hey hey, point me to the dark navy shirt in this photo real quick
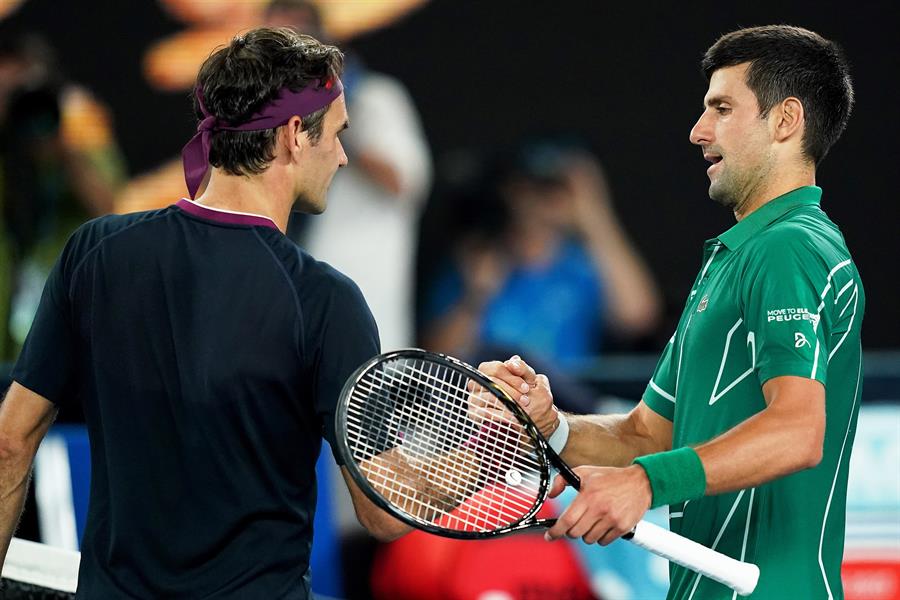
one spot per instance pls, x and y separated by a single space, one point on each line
208 351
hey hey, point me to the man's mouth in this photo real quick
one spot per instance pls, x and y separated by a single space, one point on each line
714 158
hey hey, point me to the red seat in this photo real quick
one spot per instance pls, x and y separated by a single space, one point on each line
421 566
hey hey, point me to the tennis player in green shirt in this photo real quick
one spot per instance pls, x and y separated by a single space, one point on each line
746 426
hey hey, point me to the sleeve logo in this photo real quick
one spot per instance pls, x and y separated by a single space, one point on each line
800 340
786 315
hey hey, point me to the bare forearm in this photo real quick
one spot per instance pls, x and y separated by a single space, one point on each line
381 525
25 418
769 445
606 440
14 477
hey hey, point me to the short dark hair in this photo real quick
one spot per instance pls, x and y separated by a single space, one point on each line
239 79
790 61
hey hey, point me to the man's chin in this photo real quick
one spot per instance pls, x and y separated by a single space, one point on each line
307 206
721 196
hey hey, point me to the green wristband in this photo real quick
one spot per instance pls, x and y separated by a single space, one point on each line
675 476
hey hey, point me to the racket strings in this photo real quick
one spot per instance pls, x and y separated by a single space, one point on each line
456 481
421 443
444 497
462 390
431 415
464 393
510 436
424 500
428 419
469 465
459 481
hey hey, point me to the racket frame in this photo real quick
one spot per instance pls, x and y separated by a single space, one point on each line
544 453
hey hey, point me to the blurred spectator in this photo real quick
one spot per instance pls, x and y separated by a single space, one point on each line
58 168
369 230
546 272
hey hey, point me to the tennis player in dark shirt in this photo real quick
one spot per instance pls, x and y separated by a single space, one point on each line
208 349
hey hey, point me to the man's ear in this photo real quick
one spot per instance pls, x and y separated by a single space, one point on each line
788 119
294 138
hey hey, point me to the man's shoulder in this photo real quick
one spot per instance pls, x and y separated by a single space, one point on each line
93 233
805 234
806 245
107 225
312 278
327 278
327 296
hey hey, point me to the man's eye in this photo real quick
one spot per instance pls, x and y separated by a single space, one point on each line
723 110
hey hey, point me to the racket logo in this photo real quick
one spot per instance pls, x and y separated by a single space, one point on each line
513 477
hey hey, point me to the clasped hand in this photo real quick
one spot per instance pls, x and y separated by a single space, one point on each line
611 500
529 389
609 504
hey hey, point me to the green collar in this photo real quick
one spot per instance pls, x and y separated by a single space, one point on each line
768 213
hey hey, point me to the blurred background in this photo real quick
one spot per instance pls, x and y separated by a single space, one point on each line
520 180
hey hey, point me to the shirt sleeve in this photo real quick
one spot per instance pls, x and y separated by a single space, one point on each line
782 296
660 392
47 364
349 337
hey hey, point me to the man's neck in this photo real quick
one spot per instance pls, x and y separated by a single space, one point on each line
266 194
775 187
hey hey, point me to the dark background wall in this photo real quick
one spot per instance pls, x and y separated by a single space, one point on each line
623 75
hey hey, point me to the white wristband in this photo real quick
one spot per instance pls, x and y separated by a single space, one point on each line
559 438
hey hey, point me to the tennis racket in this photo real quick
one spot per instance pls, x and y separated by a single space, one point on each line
441 447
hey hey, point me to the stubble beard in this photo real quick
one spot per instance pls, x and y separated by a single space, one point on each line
726 189
722 190
734 188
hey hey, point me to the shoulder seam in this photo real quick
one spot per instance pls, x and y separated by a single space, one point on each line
301 351
99 242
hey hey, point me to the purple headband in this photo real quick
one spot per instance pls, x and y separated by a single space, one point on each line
195 154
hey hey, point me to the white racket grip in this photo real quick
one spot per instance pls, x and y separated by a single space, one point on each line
739 576
41 565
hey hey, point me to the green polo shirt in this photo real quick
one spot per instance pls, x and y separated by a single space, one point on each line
778 294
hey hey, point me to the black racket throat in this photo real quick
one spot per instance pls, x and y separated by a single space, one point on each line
565 470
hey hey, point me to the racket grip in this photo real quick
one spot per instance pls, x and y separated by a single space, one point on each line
739 576
44 566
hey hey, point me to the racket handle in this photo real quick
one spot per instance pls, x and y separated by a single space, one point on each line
739 576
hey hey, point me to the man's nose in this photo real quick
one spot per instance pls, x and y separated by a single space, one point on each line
701 132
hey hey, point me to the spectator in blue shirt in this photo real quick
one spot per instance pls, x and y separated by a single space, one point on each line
554 276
